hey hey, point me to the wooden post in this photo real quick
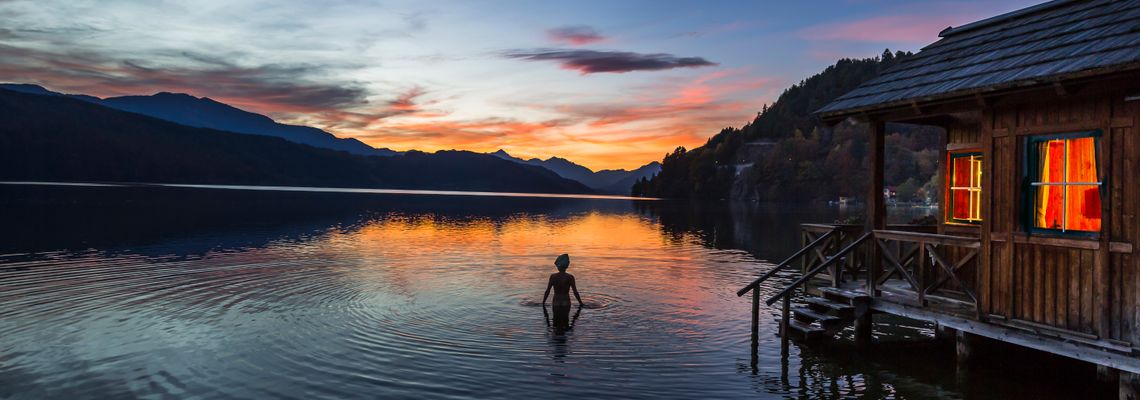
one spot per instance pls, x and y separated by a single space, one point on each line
943 333
863 329
920 272
784 320
964 345
876 207
756 324
1106 375
1129 386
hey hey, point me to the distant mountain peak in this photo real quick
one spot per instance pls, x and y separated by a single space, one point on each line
30 88
204 112
27 88
174 94
616 181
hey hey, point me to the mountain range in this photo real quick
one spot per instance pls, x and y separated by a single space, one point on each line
64 138
203 112
613 181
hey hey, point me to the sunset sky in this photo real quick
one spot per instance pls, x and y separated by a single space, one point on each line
608 84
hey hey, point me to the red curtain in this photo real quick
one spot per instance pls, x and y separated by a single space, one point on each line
1048 204
1079 207
1083 208
961 179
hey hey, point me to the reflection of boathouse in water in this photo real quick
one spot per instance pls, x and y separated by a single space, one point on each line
1036 243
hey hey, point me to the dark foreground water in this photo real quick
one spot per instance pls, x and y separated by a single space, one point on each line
121 292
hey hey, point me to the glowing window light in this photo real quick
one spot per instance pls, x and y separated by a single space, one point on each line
1065 188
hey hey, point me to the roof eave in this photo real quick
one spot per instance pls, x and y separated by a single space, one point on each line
832 117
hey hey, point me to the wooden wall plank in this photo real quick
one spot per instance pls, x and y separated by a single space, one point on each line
1127 297
1048 284
1088 321
1115 280
1061 258
1017 284
1074 262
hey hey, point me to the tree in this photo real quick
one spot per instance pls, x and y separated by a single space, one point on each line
908 191
805 160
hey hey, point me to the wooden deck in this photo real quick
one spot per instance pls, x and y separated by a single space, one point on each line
919 275
895 297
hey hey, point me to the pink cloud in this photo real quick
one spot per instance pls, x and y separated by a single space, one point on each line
578 35
920 29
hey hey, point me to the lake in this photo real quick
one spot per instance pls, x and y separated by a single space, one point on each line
147 291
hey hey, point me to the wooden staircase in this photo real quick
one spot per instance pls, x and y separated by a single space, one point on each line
820 316
825 315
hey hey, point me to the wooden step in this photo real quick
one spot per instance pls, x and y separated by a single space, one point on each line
843 296
808 315
822 305
804 331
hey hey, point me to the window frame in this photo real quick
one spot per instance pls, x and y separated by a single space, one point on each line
950 157
1031 181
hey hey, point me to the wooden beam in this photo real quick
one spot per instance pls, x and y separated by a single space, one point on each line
876 204
986 271
1120 247
1014 336
934 238
1086 244
963 146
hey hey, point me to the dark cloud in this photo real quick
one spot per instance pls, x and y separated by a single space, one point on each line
270 87
592 61
576 35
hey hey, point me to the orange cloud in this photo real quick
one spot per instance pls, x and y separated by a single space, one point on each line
622 133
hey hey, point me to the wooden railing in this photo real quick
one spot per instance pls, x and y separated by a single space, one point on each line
832 260
843 235
929 264
823 239
915 264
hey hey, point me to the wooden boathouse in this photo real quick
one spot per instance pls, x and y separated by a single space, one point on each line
1039 221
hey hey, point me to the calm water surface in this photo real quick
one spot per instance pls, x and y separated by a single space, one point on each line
120 292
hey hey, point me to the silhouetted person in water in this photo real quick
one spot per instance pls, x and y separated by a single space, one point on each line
562 283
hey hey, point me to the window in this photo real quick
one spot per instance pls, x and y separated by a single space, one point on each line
965 194
1064 185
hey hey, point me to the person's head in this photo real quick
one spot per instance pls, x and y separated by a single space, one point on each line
562 262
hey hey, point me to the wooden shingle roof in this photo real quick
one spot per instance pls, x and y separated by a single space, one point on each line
1040 44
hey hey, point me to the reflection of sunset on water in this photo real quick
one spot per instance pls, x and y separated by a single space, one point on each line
620 254
392 295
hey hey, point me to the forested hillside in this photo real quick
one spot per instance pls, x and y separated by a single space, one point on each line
786 154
